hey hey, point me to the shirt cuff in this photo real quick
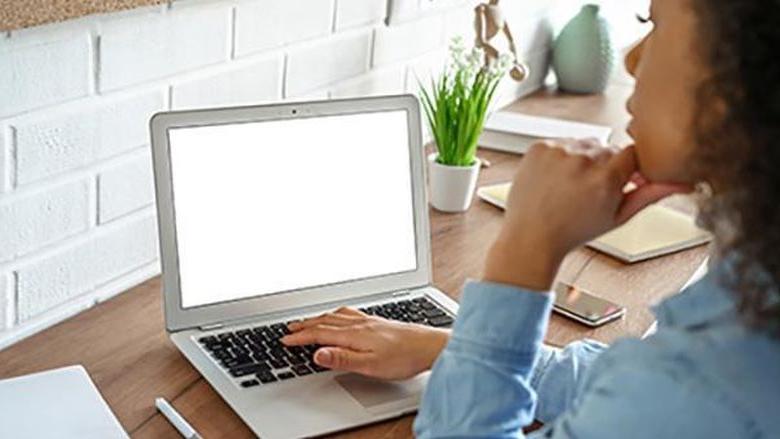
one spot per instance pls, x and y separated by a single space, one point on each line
502 322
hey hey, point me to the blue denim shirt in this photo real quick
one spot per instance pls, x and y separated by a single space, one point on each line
702 375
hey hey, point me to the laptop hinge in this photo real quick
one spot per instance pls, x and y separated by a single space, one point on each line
400 293
210 327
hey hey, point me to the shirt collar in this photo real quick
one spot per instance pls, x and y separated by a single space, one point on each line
700 303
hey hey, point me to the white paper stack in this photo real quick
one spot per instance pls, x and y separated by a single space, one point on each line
515 132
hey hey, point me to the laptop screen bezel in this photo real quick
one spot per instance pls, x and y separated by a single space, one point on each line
177 317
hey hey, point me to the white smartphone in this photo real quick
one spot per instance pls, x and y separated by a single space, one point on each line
579 305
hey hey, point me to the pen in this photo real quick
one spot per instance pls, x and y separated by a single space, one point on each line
176 419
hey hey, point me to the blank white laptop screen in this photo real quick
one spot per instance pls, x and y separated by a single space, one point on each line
274 206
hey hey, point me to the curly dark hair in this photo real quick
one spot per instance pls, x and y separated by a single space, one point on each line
737 151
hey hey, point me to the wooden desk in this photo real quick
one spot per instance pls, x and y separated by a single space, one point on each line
123 345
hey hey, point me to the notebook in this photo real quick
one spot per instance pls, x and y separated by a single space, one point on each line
515 132
57 404
655 231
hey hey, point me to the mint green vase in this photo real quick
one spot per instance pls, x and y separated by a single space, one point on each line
583 56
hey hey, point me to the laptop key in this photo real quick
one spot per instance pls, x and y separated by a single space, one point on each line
218 346
278 353
249 383
441 321
278 363
266 377
285 375
249 369
261 357
209 339
301 369
296 359
317 368
430 313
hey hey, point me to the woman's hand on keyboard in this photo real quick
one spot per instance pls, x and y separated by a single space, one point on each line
373 346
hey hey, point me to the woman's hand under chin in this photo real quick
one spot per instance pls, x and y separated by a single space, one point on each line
560 199
372 346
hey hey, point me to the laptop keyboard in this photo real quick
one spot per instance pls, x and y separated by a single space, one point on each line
256 356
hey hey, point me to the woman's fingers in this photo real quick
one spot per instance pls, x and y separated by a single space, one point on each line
332 319
645 195
323 335
622 165
345 310
345 359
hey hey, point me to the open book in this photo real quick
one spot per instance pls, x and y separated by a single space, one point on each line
655 231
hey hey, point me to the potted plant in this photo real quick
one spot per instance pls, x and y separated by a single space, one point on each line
456 107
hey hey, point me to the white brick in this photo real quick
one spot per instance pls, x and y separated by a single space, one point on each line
384 82
5 159
332 60
125 187
460 21
33 76
85 267
402 10
240 84
156 45
424 68
47 145
407 40
532 34
315 95
5 300
350 13
44 217
272 23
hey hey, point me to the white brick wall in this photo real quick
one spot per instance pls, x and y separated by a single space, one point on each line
241 83
327 61
378 82
36 74
272 23
32 221
407 40
131 50
125 187
76 214
351 13
5 302
85 266
51 143
5 157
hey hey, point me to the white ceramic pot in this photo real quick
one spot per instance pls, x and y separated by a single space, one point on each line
451 187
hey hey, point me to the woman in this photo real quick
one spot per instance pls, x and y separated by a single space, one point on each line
706 109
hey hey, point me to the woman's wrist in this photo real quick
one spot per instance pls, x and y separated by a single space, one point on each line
520 262
436 341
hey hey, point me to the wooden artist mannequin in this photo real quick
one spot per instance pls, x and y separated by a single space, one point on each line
488 22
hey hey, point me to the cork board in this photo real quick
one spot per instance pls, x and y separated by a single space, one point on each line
18 14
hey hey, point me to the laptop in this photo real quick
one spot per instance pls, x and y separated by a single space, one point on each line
274 213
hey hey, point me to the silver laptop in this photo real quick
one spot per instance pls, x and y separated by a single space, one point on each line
270 214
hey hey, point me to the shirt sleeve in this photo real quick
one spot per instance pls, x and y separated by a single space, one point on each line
480 385
557 375
646 392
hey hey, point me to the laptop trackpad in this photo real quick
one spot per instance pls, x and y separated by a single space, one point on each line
370 392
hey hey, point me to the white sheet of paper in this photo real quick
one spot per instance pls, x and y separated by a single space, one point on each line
56 404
